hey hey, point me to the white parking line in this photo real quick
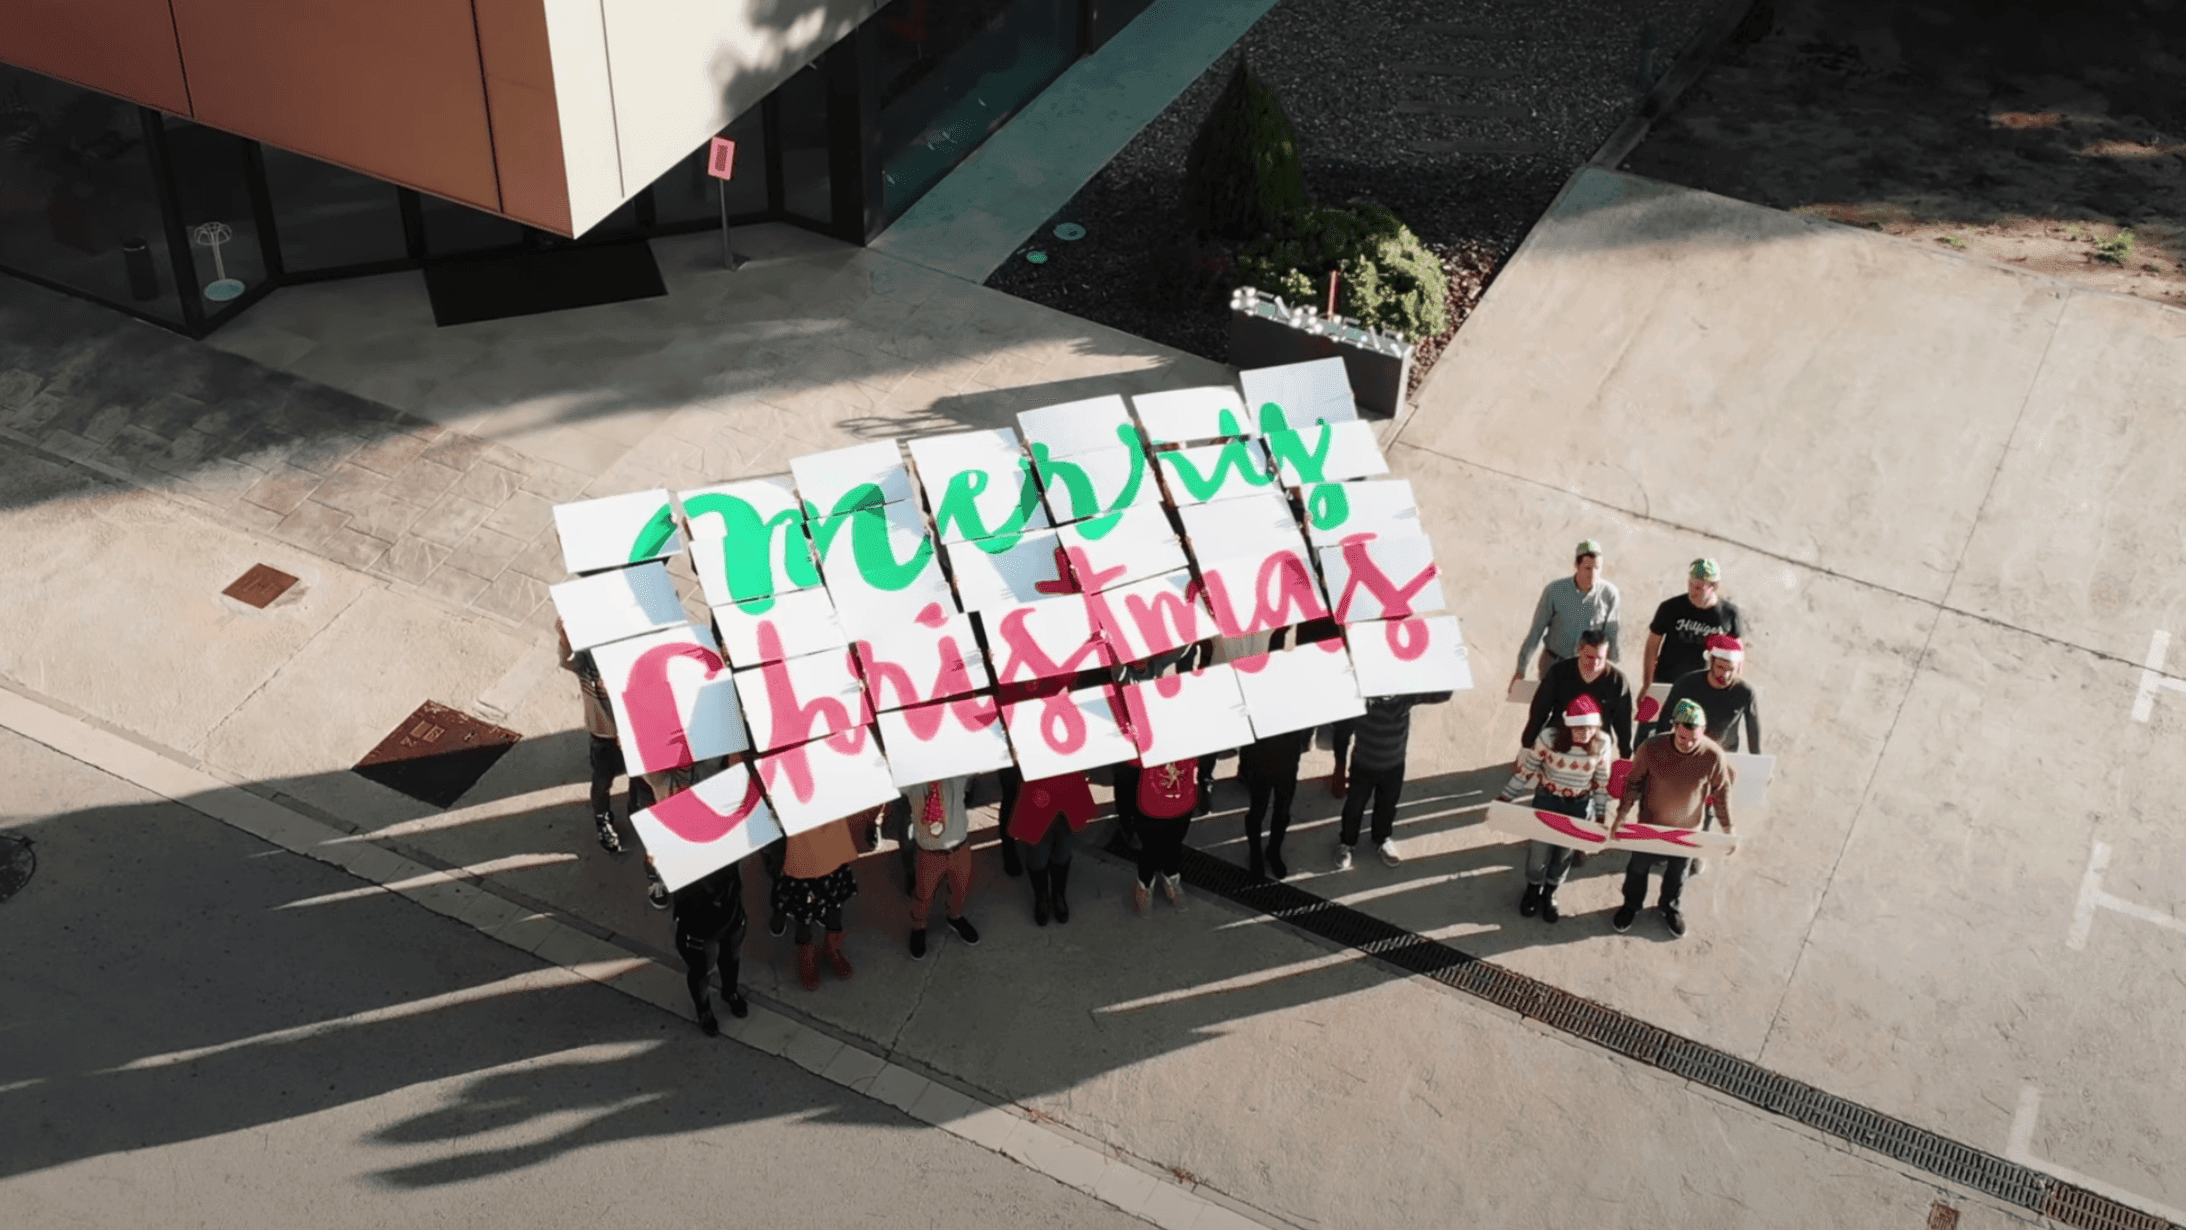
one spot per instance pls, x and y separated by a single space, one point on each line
2152 678
2092 896
2020 1148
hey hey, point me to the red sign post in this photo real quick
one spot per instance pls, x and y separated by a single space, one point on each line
721 164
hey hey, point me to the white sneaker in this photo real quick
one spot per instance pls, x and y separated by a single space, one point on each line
1389 853
1172 887
1343 857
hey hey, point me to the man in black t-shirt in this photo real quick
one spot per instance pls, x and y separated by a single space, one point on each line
1723 693
1677 637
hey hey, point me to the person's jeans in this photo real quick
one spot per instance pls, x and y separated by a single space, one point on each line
1673 879
1161 846
1271 798
1547 863
954 863
1054 846
1381 787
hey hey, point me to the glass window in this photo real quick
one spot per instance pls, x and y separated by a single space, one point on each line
949 74
452 229
687 194
212 185
801 104
1109 16
328 217
77 205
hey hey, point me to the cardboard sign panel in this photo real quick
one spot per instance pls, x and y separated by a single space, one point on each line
978 484
1393 657
1326 453
1650 705
1079 426
1179 716
615 605
812 783
617 530
790 626
881 567
1044 640
1521 691
1096 485
1383 578
1750 789
754 563
1140 544
918 662
1068 732
1301 394
1375 506
1576 834
1027 570
823 479
675 702
950 739
1258 524
1297 689
1208 472
797 699
1176 416
1250 594
711 511
693 833
1150 617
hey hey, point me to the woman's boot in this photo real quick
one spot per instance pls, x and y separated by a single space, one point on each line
835 959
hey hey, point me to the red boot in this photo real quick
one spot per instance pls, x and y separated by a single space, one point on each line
835 959
808 966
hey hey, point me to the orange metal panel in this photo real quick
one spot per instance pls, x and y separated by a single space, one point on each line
390 87
527 125
124 47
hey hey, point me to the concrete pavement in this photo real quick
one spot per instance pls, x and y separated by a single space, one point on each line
1933 486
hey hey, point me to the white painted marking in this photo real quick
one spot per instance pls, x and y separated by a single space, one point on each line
2020 1149
2152 679
2092 897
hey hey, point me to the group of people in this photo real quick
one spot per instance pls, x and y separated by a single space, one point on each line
1582 706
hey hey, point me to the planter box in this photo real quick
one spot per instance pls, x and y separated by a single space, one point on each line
1260 337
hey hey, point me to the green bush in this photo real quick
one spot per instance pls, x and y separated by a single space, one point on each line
1242 175
1389 278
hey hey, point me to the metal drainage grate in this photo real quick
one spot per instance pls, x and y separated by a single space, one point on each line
260 586
1740 1078
17 864
436 754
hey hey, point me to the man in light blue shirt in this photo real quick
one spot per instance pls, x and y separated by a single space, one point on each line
1571 605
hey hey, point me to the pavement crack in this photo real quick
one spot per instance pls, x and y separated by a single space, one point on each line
916 1002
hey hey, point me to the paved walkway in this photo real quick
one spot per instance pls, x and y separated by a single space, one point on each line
1909 466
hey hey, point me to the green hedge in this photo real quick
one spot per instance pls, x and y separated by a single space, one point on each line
1389 278
1242 175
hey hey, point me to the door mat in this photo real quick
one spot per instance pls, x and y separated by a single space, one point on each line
549 280
436 754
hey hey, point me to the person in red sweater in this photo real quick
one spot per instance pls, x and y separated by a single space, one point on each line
1674 777
1567 769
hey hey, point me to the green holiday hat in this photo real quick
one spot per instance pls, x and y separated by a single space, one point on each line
1689 713
1705 569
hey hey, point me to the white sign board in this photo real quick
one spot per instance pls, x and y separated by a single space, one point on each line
797 699
615 605
882 568
1033 568
1068 732
1318 390
1138 545
693 833
1205 473
1175 416
675 702
1394 657
813 783
1750 789
1575 834
1383 578
1259 593
1257 525
914 663
1331 452
794 625
1079 426
954 738
617 530
1297 689
1151 617
753 565
710 511
1097 484
1043 640
978 484
823 479
1377 506
1176 717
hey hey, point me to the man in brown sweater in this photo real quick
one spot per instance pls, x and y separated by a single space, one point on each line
1672 779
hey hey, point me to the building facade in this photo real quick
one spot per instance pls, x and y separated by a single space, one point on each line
178 159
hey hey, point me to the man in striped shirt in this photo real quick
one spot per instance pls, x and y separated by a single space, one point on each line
1380 737
1568 606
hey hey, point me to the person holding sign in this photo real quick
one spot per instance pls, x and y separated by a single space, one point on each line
1045 820
607 762
1568 606
1379 738
942 834
1270 770
1588 674
1568 770
1677 638
1168 794
1673 778
815 884
1721 689
710 911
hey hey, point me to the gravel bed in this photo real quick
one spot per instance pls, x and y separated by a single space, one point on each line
1342 69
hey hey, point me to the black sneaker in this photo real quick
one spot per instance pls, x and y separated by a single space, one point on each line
964 930
656 892
1549 913
610 840
1277 868
1623 919
1530 903
739 1007
707 1023
1674 919
918 943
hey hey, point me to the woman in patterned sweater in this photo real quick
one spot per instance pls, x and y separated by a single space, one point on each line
1568 769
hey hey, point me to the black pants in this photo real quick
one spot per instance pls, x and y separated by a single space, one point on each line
895 822
1382 787
1261 792
1339 736
1125 777
1161 846
832 920
607 765
1673 879
692 948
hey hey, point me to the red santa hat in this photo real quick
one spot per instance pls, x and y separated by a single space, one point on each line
1727 648
1583 712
